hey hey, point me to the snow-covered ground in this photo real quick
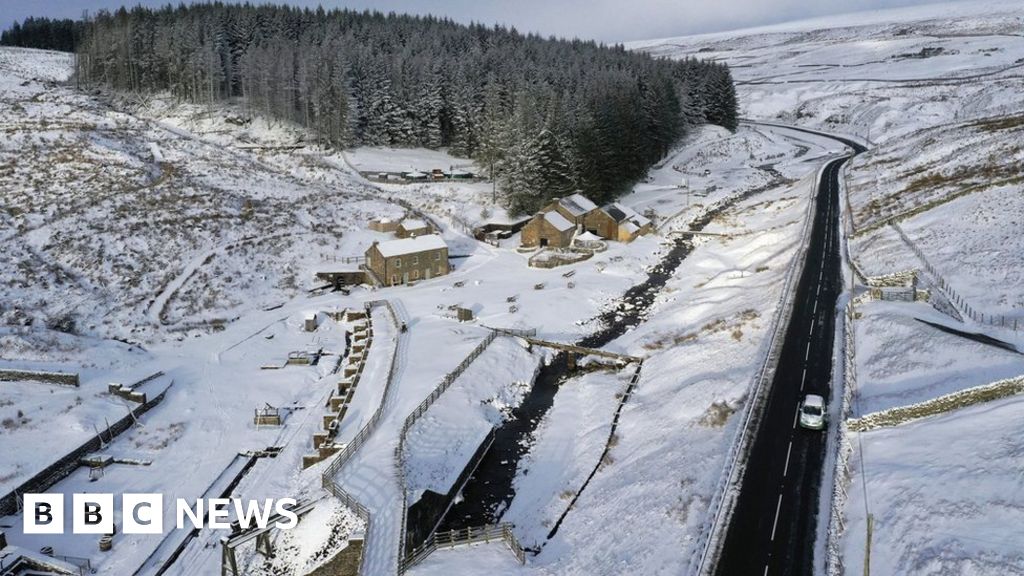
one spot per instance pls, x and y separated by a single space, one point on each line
180 229
196 242
945 494
935 89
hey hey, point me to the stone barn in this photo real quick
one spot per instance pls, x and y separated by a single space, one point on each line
407 260
413 227
573 208
617 222
548 229
385 225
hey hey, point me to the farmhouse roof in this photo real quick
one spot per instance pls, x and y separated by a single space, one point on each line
411 245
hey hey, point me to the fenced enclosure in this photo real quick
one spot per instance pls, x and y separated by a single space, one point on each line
411 419
954 297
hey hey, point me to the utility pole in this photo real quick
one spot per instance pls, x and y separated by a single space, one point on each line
867 546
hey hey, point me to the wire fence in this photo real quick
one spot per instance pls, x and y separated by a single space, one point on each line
954 297
841 474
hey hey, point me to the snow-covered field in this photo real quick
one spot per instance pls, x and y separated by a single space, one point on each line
945 494
192 233
935 90
152 235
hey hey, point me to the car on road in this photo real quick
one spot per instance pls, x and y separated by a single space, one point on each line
812 412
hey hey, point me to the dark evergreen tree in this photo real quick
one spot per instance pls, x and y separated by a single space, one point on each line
549 116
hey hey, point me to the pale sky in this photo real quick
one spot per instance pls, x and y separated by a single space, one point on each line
604 20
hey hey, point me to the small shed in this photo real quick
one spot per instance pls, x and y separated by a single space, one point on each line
385 225
415 176
309 322
411 227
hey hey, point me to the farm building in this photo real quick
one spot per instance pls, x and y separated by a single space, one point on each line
459 174
413 227
573 208
548 229
617 222
407 260
385 225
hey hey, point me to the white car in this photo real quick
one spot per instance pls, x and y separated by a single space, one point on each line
812 412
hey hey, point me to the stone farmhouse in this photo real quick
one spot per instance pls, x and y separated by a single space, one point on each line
407 260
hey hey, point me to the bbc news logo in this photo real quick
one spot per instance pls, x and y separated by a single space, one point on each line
144 513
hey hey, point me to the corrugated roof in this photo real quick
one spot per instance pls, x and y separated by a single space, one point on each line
411 245
558 221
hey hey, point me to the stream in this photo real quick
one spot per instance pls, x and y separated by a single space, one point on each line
488 491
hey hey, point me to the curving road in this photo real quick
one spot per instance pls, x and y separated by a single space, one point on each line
774 522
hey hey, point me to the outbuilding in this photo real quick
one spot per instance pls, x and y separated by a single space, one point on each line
413 227
617 222
548 229
574 208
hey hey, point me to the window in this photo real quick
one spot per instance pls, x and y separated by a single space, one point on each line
437 256
398 262
415 274
394 279
415 260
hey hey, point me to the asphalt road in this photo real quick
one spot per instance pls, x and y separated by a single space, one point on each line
774 523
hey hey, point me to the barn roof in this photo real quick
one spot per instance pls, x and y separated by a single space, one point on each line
413 224
621 213
411 245
577 204
558 221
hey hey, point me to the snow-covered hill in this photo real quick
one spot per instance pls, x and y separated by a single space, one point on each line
936 91
146 221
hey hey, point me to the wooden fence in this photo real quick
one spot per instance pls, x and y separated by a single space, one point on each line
411 419
609 442
357 442
453 538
